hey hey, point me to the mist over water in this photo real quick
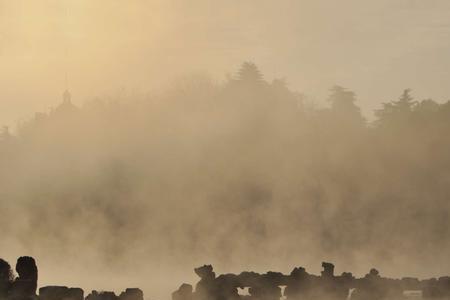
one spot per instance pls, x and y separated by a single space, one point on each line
244 175
267 169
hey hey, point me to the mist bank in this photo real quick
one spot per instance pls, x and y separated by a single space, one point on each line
245 174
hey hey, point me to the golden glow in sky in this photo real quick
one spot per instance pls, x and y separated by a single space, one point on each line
105 46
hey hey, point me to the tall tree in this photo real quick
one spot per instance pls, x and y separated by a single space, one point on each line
396 111
343 105
249 73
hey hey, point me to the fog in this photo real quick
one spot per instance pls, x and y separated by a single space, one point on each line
105 46
169 153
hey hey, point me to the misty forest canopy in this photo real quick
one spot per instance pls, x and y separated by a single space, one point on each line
238 171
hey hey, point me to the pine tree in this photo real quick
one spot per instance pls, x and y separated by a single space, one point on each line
343 105
396 111
249 73
405 103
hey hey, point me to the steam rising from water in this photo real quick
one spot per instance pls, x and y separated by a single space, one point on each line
241 174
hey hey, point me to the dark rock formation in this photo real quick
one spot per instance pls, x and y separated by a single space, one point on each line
60 292
24 287
6 278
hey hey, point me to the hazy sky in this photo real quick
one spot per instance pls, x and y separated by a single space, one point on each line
376 48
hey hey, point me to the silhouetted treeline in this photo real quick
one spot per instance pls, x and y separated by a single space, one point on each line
240 171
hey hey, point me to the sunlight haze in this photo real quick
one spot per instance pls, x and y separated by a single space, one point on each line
106 46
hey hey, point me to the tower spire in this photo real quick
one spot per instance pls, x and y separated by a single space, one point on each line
67 97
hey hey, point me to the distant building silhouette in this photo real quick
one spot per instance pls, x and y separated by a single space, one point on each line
66 106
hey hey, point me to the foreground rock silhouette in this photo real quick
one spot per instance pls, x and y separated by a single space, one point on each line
298 285
6 278
60 292
24 286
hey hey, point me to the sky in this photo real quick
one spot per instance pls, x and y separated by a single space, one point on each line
377 48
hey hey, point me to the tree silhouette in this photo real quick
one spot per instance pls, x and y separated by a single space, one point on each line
249 73
426 106
396 111
343 105
405 103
